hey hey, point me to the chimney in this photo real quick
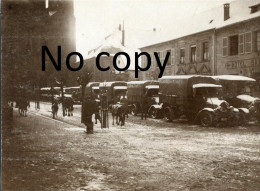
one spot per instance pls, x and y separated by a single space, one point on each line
119 27
226 11
123 35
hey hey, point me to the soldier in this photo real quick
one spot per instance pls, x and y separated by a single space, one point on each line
89 109
96 111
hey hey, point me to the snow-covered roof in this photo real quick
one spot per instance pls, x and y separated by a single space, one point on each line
48 88
210 19
206 85
138 82
234 78
181 76
106 84
152 87
247 98
120 87
95 87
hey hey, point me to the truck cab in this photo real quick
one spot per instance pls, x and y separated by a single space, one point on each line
114 90
143 94
237 90
193 96
92 90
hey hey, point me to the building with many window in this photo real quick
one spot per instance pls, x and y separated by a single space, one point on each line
223 40
238 46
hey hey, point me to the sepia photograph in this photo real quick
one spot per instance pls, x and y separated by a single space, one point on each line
122 95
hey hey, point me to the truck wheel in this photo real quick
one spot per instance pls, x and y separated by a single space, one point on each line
167 114
134 110
206 119
153 113
242 119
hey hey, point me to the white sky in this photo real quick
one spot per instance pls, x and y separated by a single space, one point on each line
95 19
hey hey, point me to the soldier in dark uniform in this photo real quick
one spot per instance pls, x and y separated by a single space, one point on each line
96 111
89 110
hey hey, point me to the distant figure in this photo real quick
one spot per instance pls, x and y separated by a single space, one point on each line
225 111
55 108
118 112
96 112
89 110
22 104
68 106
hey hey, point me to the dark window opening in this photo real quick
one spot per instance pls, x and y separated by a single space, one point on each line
193 54
258 41
182 55
205 47
233 45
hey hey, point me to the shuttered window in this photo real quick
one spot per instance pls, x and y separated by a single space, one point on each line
205 51
193 52
182 55
258 41
153 60
169 61
225 46
248 42
172 56
241 43
161 57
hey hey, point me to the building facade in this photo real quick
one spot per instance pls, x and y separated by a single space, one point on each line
193 54
229 45
238 50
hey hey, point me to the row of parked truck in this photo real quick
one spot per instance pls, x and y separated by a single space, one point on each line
202 99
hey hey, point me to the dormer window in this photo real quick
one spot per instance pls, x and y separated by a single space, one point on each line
255 8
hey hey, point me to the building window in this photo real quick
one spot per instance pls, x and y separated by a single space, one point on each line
258 41
233 44
205 50
172 56
193 52
144 61
241 43
225 46
182 55
248 42
152 60
169 61
161 56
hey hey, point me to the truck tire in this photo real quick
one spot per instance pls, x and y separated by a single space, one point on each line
167 114
134 110
242 119
206 119
153 113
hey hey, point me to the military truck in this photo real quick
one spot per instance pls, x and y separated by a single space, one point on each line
237 90
92 90
114 90
143 92
194 96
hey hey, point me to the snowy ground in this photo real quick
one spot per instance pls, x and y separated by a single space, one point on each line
40 153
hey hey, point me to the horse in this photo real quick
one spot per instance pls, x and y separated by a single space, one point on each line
68 106
55 108
22 105
118 111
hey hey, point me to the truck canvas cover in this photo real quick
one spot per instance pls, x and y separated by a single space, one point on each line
137 88
89 86
109 88
182 85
